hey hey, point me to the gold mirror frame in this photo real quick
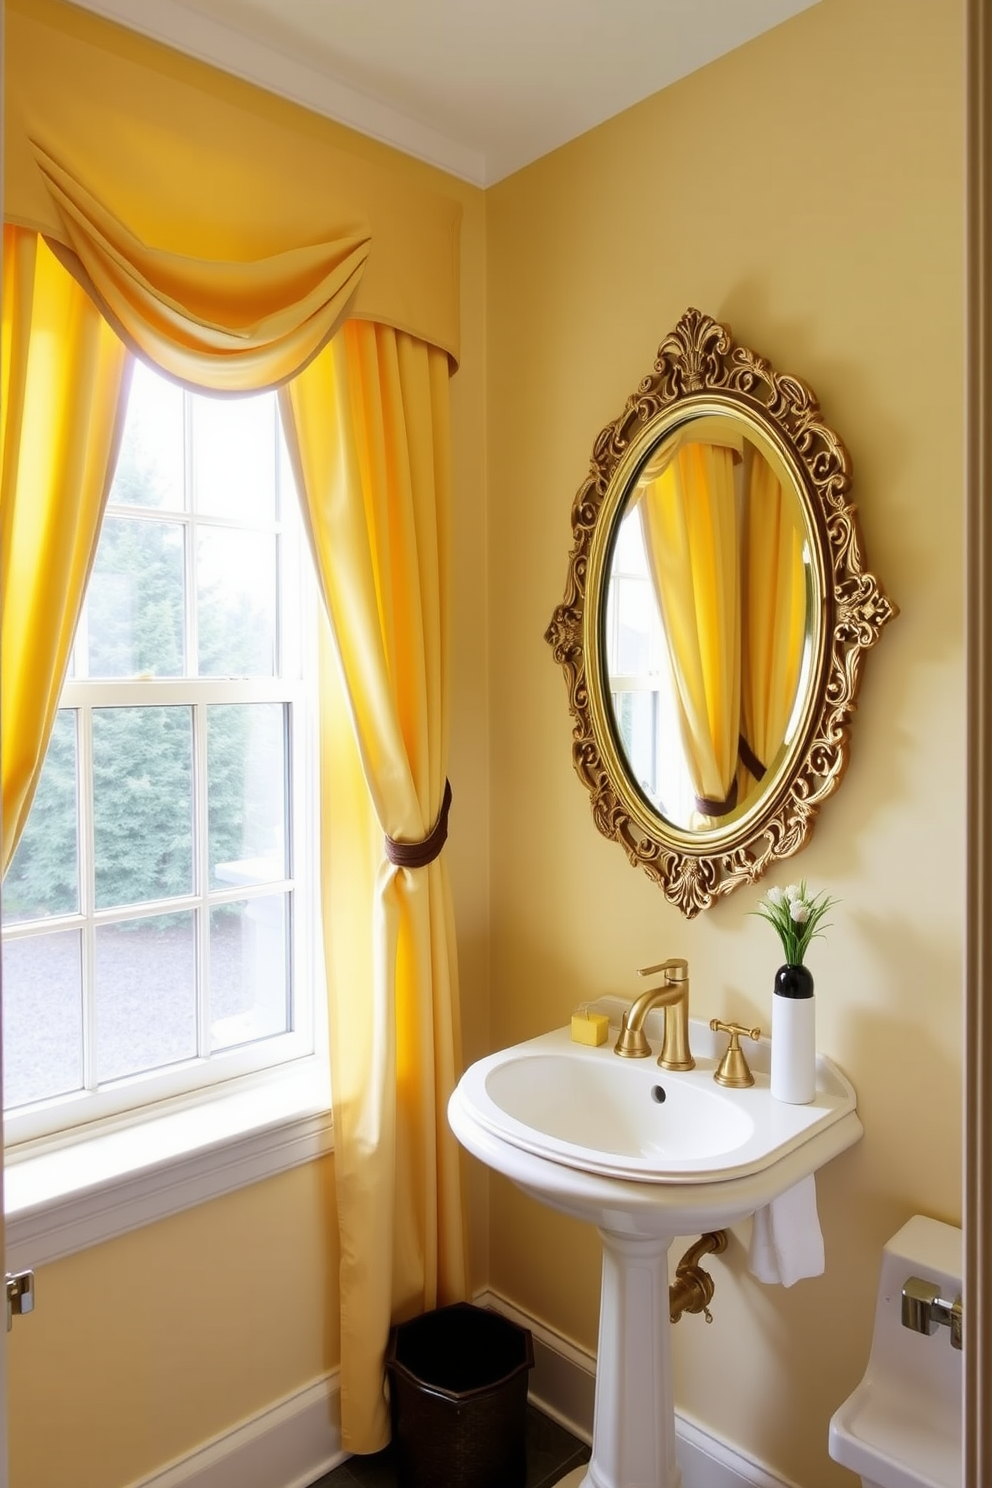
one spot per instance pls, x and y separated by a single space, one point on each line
700 371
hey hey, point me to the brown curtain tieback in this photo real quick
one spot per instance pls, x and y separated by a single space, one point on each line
419 854
709 807
751 763
749 759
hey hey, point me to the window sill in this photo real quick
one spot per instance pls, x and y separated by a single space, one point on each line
64 1199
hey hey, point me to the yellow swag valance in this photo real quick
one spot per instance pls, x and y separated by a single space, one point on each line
146 168
256 323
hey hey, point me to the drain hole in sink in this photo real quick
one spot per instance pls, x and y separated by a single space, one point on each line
658 1093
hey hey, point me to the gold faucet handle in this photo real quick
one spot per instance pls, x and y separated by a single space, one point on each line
734 1070
676 969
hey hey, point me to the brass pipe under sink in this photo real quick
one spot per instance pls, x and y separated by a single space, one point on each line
692 1289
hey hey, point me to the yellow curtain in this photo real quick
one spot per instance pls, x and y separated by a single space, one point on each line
774 610
368 427
64 381
689 521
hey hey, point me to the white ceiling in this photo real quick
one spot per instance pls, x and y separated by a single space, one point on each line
477 87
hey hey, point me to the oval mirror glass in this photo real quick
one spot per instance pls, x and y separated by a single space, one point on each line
709 622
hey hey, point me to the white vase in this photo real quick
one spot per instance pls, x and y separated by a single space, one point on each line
793 1037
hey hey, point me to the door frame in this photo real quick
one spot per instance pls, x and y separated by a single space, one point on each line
977 1030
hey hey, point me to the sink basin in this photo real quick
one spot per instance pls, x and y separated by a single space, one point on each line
587 1109
600 1114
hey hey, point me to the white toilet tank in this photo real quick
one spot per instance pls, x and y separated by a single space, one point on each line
902 1426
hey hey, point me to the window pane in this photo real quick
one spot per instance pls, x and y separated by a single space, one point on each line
43 878
135 600
142 803
234 457
145 995
246 793
248 971
236 602
42 1017
636 716
628 552
637 610
293 556
150 470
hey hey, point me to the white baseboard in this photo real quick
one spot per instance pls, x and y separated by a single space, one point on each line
288 1445
563 1386
294 1442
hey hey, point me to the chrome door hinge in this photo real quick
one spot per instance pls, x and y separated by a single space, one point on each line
20 1295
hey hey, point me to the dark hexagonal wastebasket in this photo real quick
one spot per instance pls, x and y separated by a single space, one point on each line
458 1399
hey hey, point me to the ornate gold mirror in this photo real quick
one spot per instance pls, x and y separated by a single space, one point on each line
715 615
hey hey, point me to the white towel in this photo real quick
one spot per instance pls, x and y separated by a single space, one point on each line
786 1240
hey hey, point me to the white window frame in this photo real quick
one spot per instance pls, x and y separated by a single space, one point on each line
658 683
83 1168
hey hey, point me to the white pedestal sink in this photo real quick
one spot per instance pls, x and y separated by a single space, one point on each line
645 1155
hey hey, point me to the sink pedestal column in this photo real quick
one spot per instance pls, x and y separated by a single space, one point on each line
633 1440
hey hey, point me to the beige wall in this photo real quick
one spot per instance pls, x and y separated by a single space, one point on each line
808 189
142 1349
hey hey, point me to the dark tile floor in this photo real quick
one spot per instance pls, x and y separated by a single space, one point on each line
551 1453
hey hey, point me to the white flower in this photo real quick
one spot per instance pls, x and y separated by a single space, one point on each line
775 897
793 892
799 912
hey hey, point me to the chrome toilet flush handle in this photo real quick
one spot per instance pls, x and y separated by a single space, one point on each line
923 1310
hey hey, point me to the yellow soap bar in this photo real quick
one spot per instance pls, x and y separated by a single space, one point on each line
590 1028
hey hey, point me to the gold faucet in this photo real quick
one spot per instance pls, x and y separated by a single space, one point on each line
673 996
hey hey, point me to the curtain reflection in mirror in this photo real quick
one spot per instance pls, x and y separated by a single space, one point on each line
774 616
707 622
